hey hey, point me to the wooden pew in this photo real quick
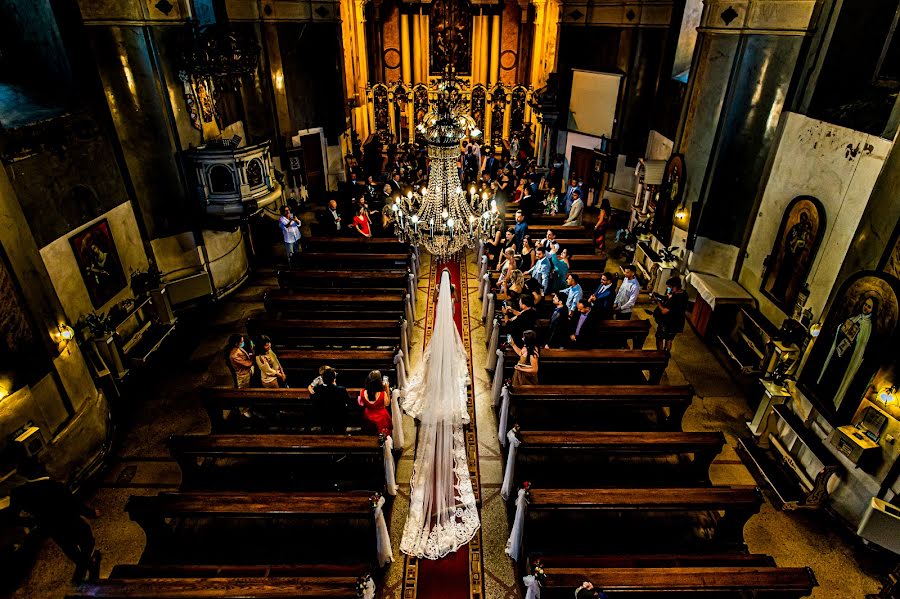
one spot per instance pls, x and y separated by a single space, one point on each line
340 306
355 245
268 410
302 366
609 333
248 462
289 333
343 587
260 527
539 231
642 520
570 459
306 279
722 582
586 366
599 407
537 218
355 261
123 571
588 279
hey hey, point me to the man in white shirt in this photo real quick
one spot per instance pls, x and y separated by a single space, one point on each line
290 229
627 295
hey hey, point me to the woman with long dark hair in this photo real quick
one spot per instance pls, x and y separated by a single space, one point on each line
375 397
526 370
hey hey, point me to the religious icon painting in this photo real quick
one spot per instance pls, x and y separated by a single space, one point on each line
98 261
671 193
857 339
786 268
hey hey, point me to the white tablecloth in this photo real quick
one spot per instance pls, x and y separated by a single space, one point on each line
712 288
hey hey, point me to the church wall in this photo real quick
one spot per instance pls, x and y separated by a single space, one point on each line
811 158
227 258
59 259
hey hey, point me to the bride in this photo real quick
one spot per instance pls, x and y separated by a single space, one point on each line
442 513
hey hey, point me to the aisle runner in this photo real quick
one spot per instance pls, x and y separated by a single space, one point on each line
457 576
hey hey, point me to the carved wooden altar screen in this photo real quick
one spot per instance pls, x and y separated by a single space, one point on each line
401 118
498 108
517 109
451 36
478 105
420 107
381 112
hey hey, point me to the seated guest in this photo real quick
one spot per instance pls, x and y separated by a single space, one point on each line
583 335
507 265
526 369
330 220
521 320
602 298
270 370
492 246
574 217
542 269
534 288
559 323
509 241
520 229
318 380
336 410
573 292
513 286
551 202
361 222
239 362
375 398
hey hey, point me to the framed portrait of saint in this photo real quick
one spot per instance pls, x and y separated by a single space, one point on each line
802 228
858 337
671 193
99 263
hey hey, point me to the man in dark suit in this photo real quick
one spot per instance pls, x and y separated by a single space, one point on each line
602 298
583 333
521 320
333 403
491 166
60 516
559 323
330 219
396 185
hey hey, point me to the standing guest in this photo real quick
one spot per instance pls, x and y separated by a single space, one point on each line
551 202
239 362
601 226
559 262
491 165
290 230
507 266
542 269
602 298
573 292
583 326
574 215
514 285
331 221
526 370
493 246
627 295
523 320
375 397
509 242
527 201
504 185
526 257
570 191
549 242
395 184
59 515
559 323
387 195
318 380
335 408
520 228
669 314
362 223
270 370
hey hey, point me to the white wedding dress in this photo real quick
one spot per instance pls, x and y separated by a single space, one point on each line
442 512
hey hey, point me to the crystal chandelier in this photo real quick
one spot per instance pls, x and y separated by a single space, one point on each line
443 218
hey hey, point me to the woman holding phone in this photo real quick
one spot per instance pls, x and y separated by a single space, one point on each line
375 398
526 370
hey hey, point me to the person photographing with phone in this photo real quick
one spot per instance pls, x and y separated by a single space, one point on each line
669 313
290 230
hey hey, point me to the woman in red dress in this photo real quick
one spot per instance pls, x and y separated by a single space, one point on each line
362 223
375 398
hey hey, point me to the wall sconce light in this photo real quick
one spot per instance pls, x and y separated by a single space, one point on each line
64 334
815 329
680 213
887 394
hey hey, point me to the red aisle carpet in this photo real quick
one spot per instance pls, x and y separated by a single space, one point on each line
446 578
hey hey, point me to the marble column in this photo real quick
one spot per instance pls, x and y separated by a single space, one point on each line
495 50
405 49
740 79
477 50
416 49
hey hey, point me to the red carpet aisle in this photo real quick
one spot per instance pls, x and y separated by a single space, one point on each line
457 576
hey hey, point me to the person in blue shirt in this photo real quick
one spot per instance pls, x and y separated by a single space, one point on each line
541 270
519 229
560 268
574 293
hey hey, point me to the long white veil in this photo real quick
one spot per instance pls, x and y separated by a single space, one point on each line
442 512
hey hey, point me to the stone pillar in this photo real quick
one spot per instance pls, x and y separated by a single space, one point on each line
405 49
477 50
740 79
536 76
495 50
417 49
